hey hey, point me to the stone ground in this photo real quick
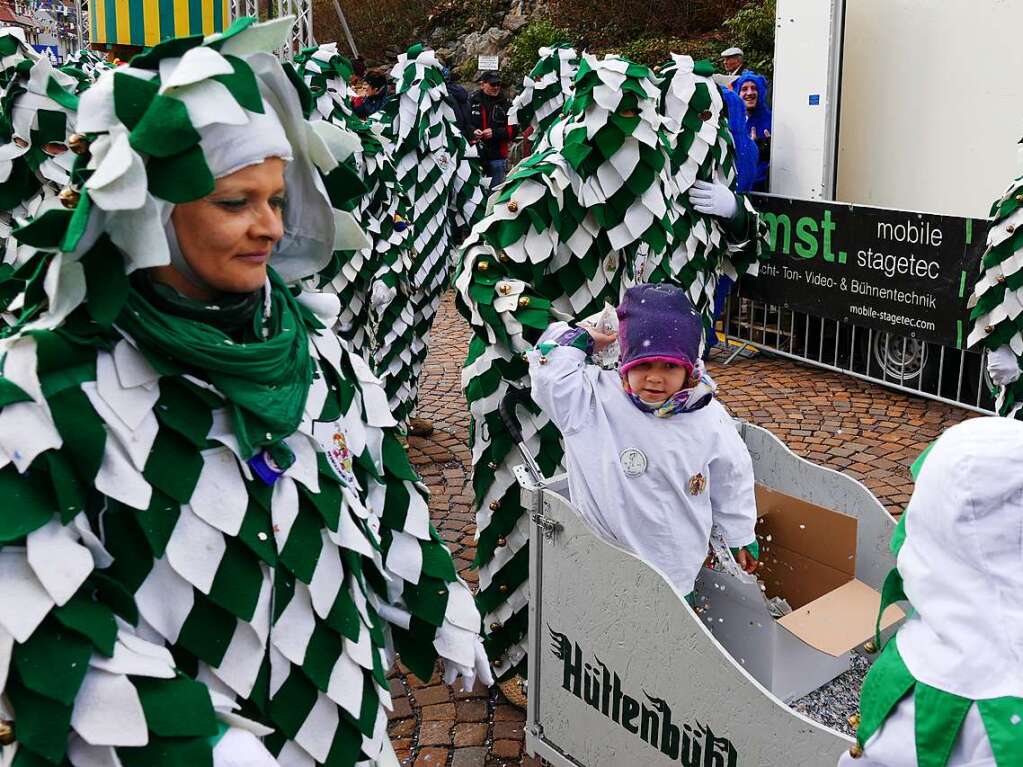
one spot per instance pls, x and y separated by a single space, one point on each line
862 429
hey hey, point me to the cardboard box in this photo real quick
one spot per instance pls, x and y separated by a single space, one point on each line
808 557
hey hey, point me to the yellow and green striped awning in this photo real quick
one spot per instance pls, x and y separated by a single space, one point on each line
147 22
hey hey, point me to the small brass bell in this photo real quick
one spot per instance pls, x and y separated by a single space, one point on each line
491 465
6 733
69 197
870 647
483 265
503 588
495 505
502 541
856 752
989 329
495 626
524 301
513 206
854 721
504 289
78 143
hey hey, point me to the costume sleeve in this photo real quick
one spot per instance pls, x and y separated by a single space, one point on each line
468 200
430 609
732 500
559 384
745 235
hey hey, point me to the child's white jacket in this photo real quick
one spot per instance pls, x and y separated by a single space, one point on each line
653 486
960 560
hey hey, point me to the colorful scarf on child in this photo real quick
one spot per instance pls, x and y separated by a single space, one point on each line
684 401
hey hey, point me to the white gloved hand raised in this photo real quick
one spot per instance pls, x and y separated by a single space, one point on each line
713 199
381 294
1002 366
479 670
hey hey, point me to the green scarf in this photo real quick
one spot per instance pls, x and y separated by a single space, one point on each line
265 381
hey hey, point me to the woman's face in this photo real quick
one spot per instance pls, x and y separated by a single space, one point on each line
749 94
226 237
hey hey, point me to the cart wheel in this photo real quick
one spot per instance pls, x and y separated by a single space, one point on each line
514 690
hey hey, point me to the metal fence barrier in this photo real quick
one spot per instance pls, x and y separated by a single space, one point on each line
941 373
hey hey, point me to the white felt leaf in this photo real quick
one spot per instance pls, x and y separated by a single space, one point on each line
81 754
294 628
120 181
405 557
210 102
60 563
119 478
131 403
220 497
241 748
293 755
108 711
140 236
267 36
164 599
127 661
197 64
345 687
348 234
195 550
317 732
6 649
25 601
133 369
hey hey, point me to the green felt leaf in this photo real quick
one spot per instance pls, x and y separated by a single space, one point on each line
90 618
67 487
43 723
78 224
181 178
106 282
242 84
116 596
61 96
238 581
28 503
176 708
45 231
81 429
172 48
292 703
132 97
169 752
165 129
10 393
173 465
21 184
53 662
207 631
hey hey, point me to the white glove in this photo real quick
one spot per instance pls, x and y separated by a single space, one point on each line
713 199
381 295
480 670
1002 366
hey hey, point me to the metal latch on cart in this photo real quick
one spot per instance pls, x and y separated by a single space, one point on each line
546 524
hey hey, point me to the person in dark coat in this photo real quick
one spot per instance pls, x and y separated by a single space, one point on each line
376 96
492 135
459 98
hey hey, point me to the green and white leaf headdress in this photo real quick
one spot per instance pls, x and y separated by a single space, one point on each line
146 123
545 89
326 73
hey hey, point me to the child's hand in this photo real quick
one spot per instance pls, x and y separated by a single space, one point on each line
746 561
600 340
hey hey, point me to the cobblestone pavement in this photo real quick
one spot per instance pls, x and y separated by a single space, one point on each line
866 431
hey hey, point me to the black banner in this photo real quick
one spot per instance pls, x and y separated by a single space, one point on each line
891 270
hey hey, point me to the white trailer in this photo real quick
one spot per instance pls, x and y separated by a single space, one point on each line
907 104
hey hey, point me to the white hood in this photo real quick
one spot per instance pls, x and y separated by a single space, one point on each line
962 563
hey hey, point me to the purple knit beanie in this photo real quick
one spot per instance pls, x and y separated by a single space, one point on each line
658 323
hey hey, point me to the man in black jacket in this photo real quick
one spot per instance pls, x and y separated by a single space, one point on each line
492 135
376 96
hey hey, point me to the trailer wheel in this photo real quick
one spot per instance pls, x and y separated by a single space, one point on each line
899 358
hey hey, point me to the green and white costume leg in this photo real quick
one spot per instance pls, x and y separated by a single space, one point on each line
701 149
442 181
997 301
376 313
562 238
211 534
948 688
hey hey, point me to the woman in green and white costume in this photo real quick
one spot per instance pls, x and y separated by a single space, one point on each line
563 236
37 115
715 230
545 90
376 313
212 540
444 185
948 688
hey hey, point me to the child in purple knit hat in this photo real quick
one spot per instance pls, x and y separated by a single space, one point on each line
654 460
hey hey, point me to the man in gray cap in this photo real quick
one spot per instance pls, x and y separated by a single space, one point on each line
731 60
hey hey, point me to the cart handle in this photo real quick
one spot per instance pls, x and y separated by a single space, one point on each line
508 415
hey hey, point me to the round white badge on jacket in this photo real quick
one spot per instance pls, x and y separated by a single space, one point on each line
634 462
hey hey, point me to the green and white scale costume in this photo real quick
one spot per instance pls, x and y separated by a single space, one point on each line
545 90
442 182
163 605
376 313
997 301
37 116
590 213
948 688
